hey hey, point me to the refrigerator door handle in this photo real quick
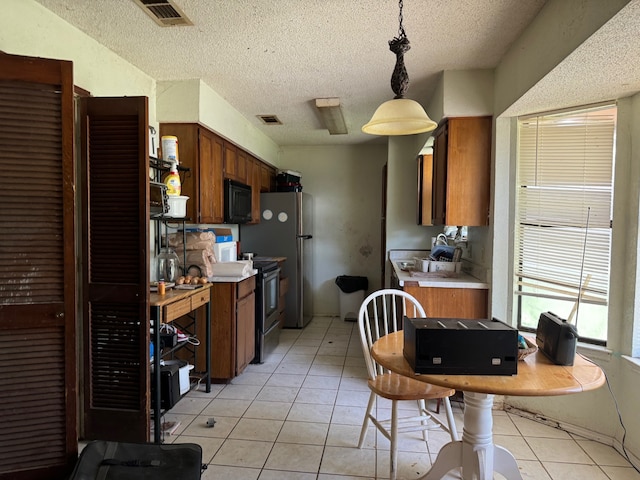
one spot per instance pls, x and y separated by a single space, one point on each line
306 237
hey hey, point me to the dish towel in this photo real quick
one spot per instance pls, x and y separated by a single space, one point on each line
231 269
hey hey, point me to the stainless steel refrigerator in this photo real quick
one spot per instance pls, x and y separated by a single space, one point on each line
285 230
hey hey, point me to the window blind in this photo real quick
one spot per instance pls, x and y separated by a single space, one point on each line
564 205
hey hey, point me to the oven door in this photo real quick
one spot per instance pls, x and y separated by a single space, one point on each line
270 295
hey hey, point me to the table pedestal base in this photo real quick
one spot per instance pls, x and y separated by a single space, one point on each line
476 452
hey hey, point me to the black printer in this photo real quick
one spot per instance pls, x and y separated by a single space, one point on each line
460 346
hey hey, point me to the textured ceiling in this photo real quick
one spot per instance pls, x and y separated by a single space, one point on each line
276 56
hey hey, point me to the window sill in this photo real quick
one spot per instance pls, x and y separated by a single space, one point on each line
595 352
634 362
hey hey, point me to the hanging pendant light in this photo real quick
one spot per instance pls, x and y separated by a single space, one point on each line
400 116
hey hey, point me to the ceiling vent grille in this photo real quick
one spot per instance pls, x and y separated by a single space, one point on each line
164 12
270 119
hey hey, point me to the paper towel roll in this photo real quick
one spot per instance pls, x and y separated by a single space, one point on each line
231 269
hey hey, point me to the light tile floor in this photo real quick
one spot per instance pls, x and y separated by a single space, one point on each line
298 416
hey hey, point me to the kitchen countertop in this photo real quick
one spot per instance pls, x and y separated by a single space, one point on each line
459 280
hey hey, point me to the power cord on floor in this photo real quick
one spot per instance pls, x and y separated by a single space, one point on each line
615 402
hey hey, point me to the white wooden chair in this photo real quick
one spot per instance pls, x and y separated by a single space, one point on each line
381 313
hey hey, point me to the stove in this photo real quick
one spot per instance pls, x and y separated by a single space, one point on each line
267 315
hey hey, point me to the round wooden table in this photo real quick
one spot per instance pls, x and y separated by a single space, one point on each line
476 453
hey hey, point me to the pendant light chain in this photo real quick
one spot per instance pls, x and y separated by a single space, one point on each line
399 45
401 32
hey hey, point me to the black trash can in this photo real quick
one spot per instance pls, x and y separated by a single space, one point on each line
352 290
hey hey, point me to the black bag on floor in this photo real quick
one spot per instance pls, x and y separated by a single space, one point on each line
101 460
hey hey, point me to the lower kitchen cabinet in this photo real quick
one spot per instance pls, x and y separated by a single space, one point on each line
233 328
451 302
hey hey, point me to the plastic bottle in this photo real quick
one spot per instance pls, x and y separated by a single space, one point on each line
173 180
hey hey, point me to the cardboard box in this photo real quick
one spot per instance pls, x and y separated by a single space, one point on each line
223 235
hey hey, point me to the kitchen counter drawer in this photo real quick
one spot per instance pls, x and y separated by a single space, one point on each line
177 309
200 299
247 286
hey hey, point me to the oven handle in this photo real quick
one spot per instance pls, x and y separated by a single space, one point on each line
272 273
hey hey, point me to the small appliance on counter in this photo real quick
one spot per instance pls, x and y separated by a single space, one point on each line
225 252
158 199
460 346
556 338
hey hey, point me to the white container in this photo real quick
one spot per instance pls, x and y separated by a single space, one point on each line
445 266
421 264
170 148
183 374
177 206
350 305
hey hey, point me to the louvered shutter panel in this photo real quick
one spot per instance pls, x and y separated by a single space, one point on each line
38 438
116 268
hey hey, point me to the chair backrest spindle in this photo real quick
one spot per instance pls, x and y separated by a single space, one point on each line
375 320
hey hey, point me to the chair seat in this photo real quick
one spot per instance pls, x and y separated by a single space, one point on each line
398 387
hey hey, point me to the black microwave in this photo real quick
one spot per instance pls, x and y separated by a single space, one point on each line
237 202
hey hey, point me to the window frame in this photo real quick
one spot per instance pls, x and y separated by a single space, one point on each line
546 176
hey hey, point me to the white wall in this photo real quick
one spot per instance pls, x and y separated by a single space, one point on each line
346 185
27 28
194 101
403 232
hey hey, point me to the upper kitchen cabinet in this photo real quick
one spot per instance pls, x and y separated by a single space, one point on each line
461 172
243 167
267 178
203 153
235 163
254 176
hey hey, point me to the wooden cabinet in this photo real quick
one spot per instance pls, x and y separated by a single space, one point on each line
461 171
267 178
233 328
425 185
254 175
282 300
202 151
242 167
246 325
231 162
451 302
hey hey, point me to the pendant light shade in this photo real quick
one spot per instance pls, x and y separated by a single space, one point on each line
400 116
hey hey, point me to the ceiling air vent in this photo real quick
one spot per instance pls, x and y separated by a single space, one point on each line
270 119
164 12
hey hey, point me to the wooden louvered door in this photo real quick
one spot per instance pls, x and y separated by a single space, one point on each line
38 438
115 241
